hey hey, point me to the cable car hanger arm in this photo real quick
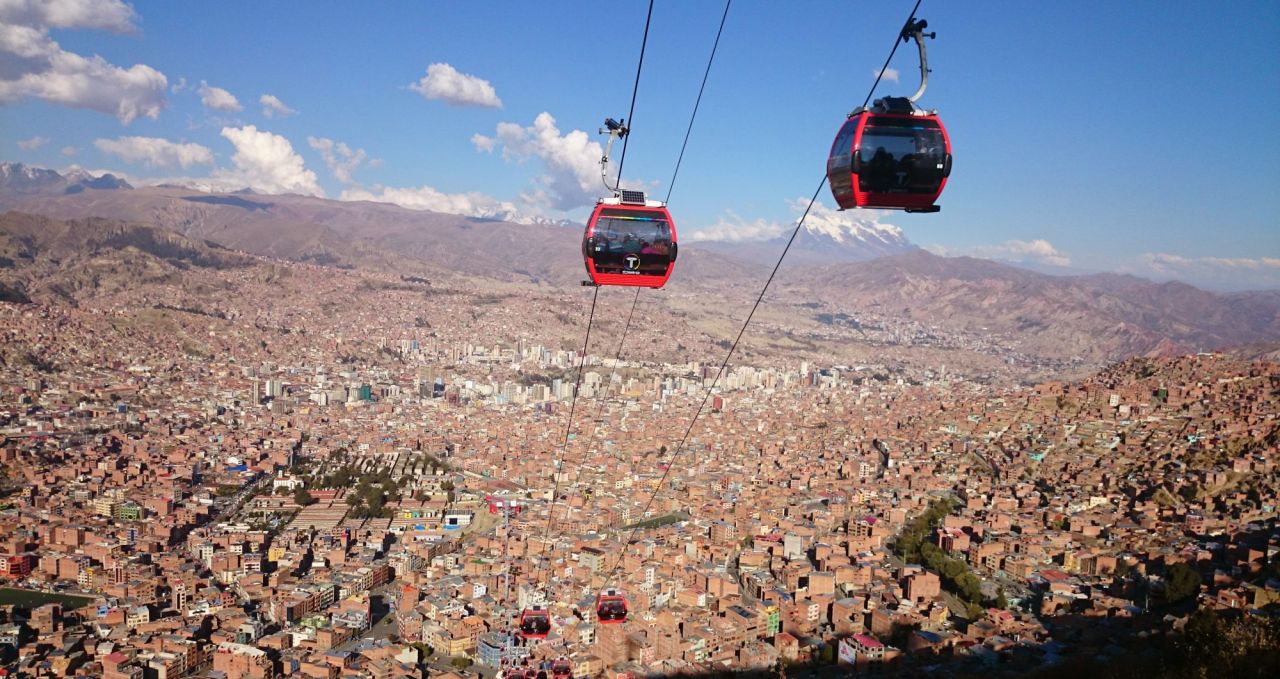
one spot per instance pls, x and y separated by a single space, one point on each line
615 130
914 30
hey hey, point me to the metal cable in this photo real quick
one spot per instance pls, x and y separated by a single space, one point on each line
714 46
634 91
711 388
893 51
617 358
568 427
724 364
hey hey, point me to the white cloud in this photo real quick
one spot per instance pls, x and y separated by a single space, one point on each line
445 83
734 229
217 98
272 107
69 151
1039 251
890 74
571 161
483 143
33 143
33 65
1167 262
156 152
179 86
266 162
471 204
111 15
1232 273
342 161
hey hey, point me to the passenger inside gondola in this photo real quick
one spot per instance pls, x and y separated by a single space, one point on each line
630 245
907 158
535 624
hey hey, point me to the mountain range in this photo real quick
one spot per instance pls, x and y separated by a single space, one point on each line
835 271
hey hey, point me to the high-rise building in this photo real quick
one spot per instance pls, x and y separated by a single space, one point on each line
275 388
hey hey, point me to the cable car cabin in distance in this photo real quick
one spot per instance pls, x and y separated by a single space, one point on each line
611 607
890 157
630 241
535 623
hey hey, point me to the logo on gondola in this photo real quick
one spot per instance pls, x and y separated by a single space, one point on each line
631 262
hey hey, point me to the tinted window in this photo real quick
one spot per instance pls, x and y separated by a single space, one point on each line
901 156
632 242
844 141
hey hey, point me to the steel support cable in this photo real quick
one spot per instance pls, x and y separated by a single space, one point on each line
617 357
893 51
724 364
635 89
568 428
673 174
555 493
671 187
716 380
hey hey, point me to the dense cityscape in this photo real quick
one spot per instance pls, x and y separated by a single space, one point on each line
335 342
193 492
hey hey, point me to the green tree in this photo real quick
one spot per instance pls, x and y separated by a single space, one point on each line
1002 602
302 498
1181 582
461 662
970 587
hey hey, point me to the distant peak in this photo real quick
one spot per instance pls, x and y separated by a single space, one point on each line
841 231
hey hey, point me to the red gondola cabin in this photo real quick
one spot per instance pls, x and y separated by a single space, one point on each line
890 157
561 669
611 607
630 241
535 623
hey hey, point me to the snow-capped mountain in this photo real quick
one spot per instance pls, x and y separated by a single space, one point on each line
19 178
848 238
827 236
16 178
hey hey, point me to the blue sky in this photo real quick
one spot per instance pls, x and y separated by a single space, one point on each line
1138 136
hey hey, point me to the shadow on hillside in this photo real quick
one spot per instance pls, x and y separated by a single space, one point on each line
233 201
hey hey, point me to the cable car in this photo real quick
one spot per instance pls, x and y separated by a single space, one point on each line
611 607
893 155
629 241
535 623
561 669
